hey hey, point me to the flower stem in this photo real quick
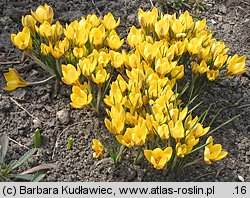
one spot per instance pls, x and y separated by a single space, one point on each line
99 97
42 81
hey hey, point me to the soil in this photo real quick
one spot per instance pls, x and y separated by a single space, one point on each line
51 113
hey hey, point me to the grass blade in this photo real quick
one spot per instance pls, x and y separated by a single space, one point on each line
223 124
37 139
39 176
4 142
24 158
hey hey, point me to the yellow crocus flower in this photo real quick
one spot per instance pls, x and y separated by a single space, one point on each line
139 134
163 66
96 35
162 27
22 40
133 60
236 65
100 76
201 69
187 20
80 96
79 52
116 124
219 61
114 41
70 74
60 48
180 47
212 74
135 36
93 20
177 27
194 46
178 72
200 25
126 138
70 30
189 122
134 99
117 59
163 131
190 139
176 129
158 157
109 22
199 131
46 49
29 21
98 148
57 30
205 54
182 149
177 114
218 48
81 36
103 58
87 66
115 95
45 30
213 152
149 18
43 13
148 51
14 80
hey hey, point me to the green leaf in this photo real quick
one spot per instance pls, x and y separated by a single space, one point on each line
37 139
198 148
4 142
23 159
27 177
190 111
223 124
39 176
203 119
215 117
70 144
184 89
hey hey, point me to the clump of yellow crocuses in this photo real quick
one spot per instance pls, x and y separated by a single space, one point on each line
144 106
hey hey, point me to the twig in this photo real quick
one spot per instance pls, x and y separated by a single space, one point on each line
204 175
18 143
19 105
99 12
10 62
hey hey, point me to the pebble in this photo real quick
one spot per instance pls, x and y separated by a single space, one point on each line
223 9
63 116
33 72
36 124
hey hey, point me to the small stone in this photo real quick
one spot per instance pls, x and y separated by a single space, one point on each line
33 72
36 124
213 21
63 116
223 9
